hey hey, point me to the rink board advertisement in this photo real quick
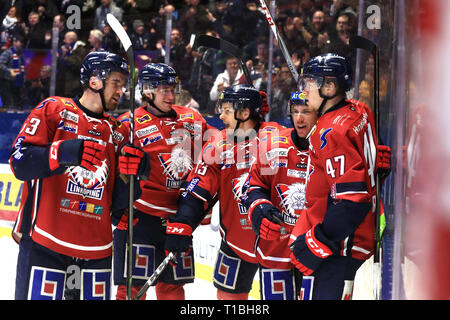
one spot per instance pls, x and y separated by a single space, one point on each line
10 192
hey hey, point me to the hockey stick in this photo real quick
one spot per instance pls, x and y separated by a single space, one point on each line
126 43
280 40
359 42
227 47
155 275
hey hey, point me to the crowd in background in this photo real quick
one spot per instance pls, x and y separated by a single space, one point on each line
308 27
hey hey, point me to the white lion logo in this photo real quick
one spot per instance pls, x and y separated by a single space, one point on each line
293 199
179 163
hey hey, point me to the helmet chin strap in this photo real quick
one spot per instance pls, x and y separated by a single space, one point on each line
324 101
102 95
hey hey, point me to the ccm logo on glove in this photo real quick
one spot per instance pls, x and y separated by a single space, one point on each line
179 228
313 245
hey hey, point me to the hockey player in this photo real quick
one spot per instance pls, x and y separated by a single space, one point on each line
169 134
66 153
222 171
275 198
335 233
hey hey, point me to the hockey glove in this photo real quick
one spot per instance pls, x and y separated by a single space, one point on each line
265 219
76 152
383 160
178 237
309 250
123 223
134 161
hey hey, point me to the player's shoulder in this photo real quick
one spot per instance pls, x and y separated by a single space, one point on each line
343 119
55 102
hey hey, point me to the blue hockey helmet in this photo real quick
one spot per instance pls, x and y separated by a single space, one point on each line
101 63
327 67
297 98
242 96
154 74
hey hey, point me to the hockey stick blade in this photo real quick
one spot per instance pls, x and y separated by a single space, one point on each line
227 47
119 30
155 275
359 42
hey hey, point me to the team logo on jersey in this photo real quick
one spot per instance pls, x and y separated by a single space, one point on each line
177 165
87 183
323 139
292 201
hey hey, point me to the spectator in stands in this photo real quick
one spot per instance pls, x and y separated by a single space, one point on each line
95 40
232 75
12 74
107 6
185 99
282 86
193 19
319 31
180 58
46 10
70 56
139 36
36 33
39 89
10 25
340 38
207 64
110 41
59 21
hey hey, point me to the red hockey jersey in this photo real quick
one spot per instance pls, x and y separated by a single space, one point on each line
343 165
223 170
69 212
282 171
171 143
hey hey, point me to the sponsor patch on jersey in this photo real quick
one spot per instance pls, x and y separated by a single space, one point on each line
81 206
150 139
279 139
146 131
192 126
69 127
143 119
323 137
277 152
18 154
186 116
296 174
68 115
192 184
82 137
268 129
68 103
117 136
362 123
